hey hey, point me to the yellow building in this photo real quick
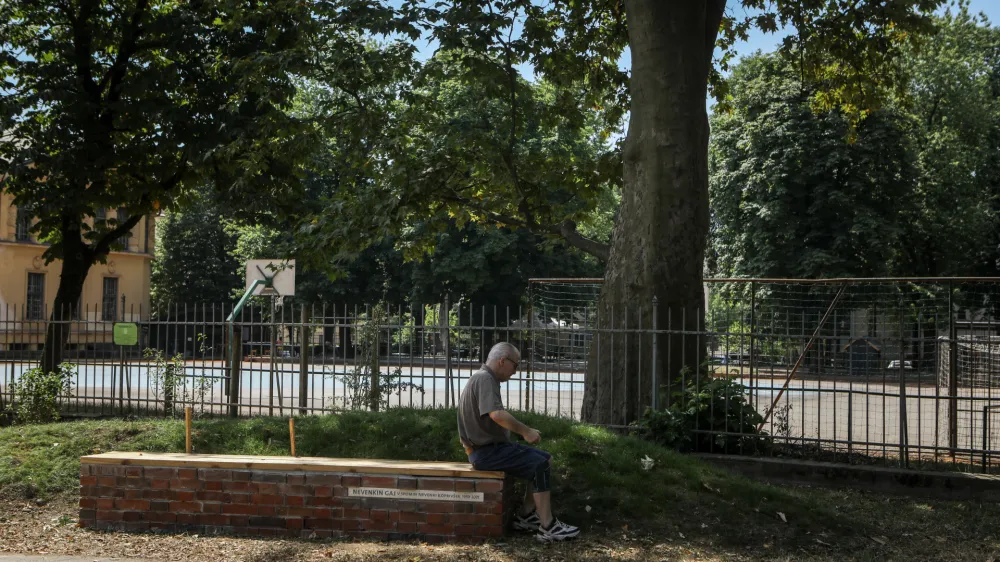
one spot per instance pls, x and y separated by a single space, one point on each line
28 285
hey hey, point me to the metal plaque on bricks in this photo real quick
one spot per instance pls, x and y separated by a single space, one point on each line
429 495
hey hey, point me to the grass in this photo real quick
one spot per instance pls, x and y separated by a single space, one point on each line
600 482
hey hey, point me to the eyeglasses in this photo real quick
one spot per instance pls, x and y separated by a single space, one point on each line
516 363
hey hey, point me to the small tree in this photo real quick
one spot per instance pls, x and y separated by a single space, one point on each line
366 385
170 383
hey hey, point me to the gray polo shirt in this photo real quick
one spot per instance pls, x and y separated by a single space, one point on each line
481 396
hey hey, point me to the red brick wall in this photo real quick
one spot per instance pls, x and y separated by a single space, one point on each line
285 503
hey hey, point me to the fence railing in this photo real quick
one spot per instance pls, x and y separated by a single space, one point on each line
885 371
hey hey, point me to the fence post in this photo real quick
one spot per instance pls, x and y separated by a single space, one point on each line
904 449
655 396
952 372
753 319
227 357
446 322
4 385
850 422
529 349
303 362
235 360
274 354
375 368
121 364
986 437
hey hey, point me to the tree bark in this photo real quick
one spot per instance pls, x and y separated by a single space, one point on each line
76 262
658 244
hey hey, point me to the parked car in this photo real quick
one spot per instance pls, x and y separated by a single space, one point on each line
894 364
462 351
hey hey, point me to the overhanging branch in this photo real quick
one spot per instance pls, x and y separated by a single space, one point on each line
104 244
566 229
600 250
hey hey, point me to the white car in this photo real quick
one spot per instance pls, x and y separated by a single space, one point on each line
894 364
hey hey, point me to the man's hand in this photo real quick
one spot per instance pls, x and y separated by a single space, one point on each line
532 436
509 422
466 446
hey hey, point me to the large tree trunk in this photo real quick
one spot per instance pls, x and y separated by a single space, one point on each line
77 259
658 245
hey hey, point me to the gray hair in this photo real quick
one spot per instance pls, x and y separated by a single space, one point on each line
503 350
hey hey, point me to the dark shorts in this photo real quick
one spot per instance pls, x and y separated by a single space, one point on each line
520 461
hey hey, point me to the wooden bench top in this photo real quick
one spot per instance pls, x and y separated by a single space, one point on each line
310 464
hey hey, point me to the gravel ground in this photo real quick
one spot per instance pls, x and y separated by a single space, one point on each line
51 529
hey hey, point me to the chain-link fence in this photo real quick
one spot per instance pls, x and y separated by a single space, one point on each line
875 367
863 370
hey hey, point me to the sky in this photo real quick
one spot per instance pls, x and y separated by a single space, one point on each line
760 41
765 42
757 40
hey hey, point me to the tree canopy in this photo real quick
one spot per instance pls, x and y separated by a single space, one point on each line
908 191
791 196
457 150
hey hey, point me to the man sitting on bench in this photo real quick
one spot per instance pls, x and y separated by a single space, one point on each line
484 428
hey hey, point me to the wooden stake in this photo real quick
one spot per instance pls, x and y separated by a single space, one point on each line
187 429
291 431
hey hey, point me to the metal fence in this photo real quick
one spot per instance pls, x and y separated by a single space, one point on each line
855 370
287 358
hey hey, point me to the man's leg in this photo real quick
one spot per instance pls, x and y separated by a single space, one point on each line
543 500
535 465
543 504
549 529
528 505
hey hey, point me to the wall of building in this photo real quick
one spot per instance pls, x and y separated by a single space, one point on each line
132 268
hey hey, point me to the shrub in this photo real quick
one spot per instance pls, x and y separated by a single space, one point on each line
36 394
708 415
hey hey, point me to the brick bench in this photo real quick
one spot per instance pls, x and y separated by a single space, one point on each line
292 497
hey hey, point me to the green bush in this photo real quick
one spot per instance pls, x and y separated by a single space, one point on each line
36 394
708 415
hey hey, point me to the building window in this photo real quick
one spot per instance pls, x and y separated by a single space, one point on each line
109 302
35 303
22 230
100 214
123 239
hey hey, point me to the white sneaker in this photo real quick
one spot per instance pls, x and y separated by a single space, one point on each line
557 531
529 522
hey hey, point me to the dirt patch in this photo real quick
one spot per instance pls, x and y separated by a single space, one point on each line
26 528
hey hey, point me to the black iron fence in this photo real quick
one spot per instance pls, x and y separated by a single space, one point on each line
858 370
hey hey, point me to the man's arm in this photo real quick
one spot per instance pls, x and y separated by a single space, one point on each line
466 446
507 421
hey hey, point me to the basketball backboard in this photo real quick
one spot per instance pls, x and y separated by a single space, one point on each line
280 273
